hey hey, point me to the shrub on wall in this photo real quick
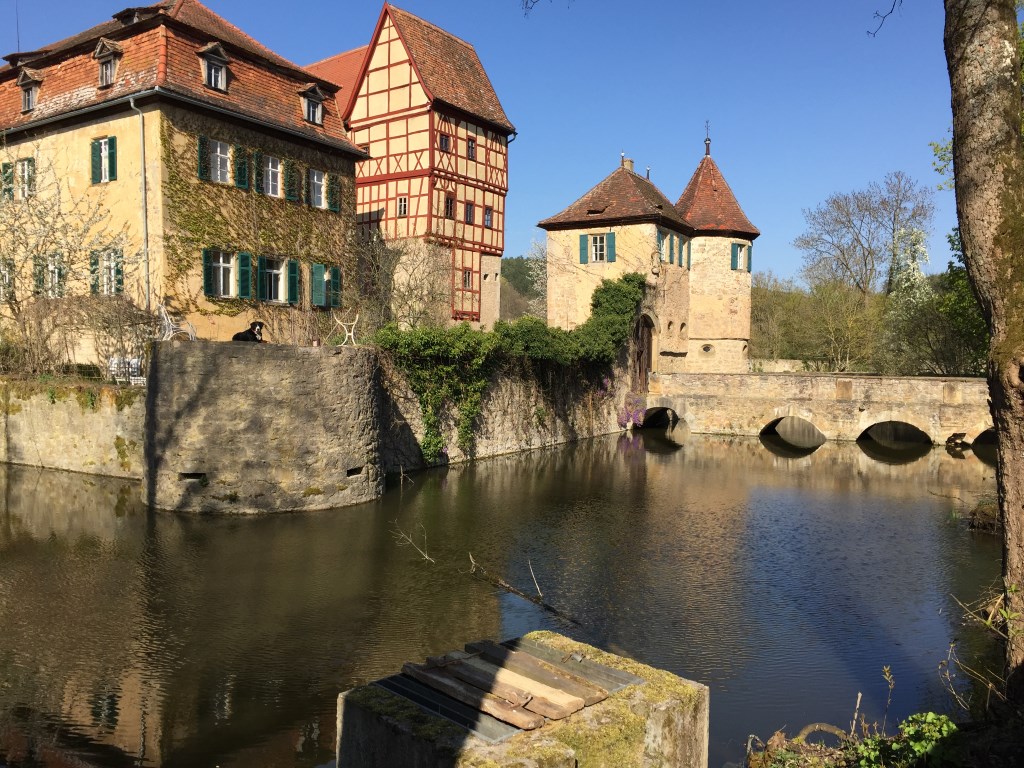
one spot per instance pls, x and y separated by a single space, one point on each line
450 367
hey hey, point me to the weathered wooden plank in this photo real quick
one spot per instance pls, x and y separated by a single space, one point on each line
539 670
612 680
548 701
467 694
484 680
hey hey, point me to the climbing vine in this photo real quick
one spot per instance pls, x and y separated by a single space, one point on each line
205 214
448 369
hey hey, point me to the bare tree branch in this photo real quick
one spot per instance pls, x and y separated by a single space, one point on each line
883 16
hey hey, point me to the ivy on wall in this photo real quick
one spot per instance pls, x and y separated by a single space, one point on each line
450 368
235 217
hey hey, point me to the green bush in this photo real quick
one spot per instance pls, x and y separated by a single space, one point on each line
921 741
449 367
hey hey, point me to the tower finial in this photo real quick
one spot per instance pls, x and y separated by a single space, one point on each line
707 138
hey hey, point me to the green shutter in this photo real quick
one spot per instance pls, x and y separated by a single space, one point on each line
584 243
7 181
204 158
293 281
97 161
317 288
257 172
735 255
335 298
112 158
333 193
261 278
39 273
609 241
291 181
688 253
671 249
244 261
750 257
241 167
118 271
94 272
207 273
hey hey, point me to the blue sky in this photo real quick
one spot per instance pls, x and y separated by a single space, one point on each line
802 102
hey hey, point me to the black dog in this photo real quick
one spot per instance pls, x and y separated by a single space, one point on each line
253 333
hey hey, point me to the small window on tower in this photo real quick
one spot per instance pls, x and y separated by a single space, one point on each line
403 206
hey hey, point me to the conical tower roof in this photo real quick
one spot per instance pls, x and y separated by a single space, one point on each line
709 206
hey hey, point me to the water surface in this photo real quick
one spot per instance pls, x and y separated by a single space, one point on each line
130 638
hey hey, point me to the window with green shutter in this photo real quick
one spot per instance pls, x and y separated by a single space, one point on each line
688 253
291 181
261 278
334 292
7 181
103 159
317 285
257 172
203 158
671 248
293 281
735 255
333 193
584 248
111 158
610 245
241 167
750 257
207 273
244 275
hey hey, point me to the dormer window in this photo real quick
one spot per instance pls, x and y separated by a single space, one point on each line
107 53
215 66
29 81
313 104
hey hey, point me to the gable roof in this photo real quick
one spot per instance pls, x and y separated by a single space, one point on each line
623 196
709 206
159 45
342 70
449 68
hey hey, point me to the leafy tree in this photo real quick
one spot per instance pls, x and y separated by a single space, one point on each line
516 271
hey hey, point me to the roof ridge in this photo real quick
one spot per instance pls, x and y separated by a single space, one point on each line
429 24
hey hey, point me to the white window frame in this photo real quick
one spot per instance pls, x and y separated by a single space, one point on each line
108 69
317 188
449 207
471 149
467 279
23 181
222 269
598 248
29 96
52 282
274 275
6 279
108 272
488 217
104 159
444 142
216 75
469 213
220 161
314 110
403 206
271 176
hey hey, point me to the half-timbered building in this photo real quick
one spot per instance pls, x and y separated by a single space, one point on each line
211 175
422 106
696 255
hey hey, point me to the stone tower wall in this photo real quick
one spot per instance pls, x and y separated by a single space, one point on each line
719 329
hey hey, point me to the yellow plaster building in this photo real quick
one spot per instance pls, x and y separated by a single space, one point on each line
696 256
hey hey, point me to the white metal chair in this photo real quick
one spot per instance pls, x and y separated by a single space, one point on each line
348 330
171 326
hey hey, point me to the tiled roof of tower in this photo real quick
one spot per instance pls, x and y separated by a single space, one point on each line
450 69
343 71
623 196
709 206
160 46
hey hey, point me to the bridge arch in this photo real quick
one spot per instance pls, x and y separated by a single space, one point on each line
660 416
895 442
793 431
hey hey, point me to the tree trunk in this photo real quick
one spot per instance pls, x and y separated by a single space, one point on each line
984 75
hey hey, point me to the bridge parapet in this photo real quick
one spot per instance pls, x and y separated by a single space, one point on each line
840 406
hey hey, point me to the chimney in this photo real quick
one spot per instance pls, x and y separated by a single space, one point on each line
627 164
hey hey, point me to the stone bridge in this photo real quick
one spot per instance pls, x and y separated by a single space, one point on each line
840 407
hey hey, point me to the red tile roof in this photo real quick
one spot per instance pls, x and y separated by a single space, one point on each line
160 49
622 197
709 206
342 70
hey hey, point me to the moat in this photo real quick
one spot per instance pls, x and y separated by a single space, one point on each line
130 638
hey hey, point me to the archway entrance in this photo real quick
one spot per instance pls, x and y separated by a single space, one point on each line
642 357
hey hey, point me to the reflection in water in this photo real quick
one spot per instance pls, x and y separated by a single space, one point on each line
894 451
132 638
783 449
985 447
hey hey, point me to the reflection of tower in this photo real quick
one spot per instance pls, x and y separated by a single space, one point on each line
720 265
